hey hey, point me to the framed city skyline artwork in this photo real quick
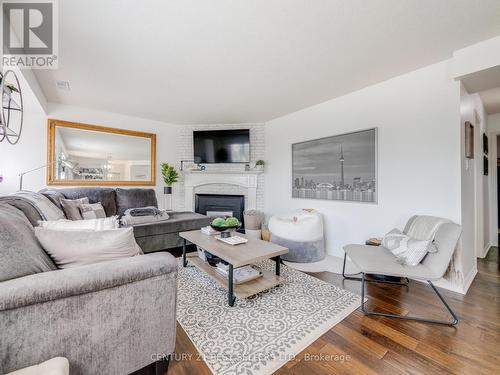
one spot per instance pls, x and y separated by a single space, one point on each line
342 167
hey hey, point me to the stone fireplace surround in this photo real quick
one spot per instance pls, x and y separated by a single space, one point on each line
229 179
220 182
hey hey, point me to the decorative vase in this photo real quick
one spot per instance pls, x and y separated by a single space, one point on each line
167 197
253 233
265 233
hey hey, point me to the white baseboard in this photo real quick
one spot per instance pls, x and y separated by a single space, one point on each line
469 279
462 289
485 251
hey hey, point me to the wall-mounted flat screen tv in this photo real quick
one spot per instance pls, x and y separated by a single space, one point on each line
222 146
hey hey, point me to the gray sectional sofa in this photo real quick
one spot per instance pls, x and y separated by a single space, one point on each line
110 318
150 237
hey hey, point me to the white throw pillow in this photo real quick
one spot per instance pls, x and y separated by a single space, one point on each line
75 248
90 224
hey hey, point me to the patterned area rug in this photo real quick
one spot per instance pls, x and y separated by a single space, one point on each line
259 334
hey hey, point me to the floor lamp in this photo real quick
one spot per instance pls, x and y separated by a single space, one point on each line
63 162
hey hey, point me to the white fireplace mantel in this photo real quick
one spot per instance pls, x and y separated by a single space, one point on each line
245 179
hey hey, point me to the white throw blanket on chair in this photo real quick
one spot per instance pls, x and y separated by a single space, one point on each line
425 227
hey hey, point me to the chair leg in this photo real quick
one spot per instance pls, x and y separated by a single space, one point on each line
351 277
348 276
373 313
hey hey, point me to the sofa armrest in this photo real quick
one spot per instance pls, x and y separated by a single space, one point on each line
53 285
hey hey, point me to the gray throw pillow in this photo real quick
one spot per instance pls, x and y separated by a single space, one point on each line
20 253
71 207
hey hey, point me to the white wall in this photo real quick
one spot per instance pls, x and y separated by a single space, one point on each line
476 238
418 120
31 150
494 123
494 131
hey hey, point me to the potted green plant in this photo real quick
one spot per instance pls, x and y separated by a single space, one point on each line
259 165
170 176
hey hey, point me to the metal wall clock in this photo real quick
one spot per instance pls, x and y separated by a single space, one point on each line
11 114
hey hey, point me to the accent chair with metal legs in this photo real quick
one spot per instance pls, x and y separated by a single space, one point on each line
379 260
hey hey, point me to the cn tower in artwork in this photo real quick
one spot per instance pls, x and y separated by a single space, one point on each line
341 165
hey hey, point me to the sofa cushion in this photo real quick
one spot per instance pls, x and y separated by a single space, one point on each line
134 198
95 194
178 222
26 207
20 252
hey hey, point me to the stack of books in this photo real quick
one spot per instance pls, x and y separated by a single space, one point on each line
233 240
240 274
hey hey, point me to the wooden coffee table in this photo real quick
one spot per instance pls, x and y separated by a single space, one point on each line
252 252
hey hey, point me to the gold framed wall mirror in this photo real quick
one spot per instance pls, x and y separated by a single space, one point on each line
82 154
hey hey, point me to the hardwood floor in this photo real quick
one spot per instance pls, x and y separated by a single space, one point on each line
373 345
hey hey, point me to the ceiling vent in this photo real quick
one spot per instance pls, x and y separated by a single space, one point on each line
63 85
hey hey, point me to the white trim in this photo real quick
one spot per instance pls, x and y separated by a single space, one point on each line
486 250
457 288
469 279
445 284
243 179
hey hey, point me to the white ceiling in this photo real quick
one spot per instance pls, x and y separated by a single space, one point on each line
491 100
232 61
487 84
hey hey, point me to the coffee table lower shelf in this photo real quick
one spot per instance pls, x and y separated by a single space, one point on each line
245 290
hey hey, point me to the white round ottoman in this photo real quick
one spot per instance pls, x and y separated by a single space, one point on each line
301 232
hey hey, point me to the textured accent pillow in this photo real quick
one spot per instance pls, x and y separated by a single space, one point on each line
91 224
416 252
75 248
395 240
71 207
409 251
92 211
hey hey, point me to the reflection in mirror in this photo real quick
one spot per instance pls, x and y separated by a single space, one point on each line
93 156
